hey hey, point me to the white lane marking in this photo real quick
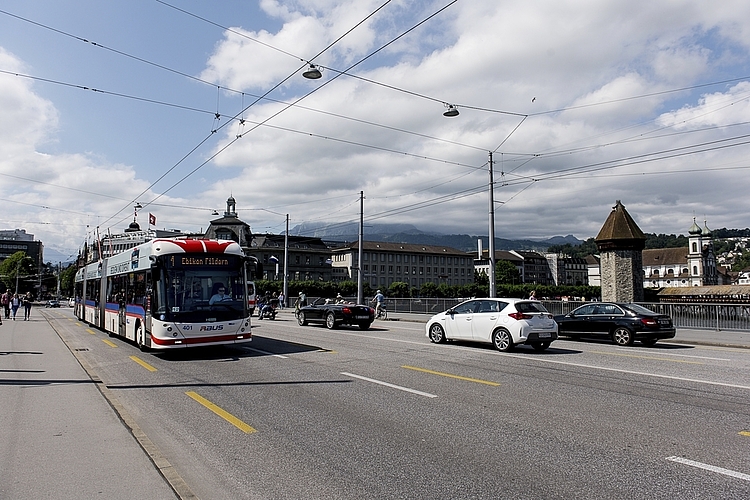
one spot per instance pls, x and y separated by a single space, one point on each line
566 363
661 353
711 468
630 372
266 352
413 391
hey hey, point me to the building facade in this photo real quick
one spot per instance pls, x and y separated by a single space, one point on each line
386 263
694 265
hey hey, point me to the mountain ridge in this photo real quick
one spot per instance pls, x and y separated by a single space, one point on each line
407 233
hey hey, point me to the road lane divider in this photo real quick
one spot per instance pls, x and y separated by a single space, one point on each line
392 386
222 413
711 468
92 332
266 353
745 433
449 375
143 363
646 357
109 343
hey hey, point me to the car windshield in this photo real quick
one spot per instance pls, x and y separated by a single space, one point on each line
640 309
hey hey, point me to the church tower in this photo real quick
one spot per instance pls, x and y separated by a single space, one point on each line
701 257
621 242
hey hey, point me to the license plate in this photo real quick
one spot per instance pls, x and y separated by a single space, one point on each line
361 317
545 335
663 321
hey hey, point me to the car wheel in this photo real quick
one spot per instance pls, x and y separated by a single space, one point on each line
502 340
622 336
437 335
301 319
649 342
330 321
364 326
540 346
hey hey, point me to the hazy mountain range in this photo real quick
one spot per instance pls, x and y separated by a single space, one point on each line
407 233
395 233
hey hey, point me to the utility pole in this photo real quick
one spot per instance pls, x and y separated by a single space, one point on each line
360 286
491 250
286 258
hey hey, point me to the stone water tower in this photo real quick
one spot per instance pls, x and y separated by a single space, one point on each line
620 242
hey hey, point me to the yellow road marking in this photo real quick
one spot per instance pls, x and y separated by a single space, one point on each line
92 332
431 372
647 357
109 343
223 414
745 433
143 363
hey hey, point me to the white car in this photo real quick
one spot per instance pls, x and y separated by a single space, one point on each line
501 322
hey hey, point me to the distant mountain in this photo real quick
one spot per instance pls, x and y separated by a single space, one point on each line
407 233
54 256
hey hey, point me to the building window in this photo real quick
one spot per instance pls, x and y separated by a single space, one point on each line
695 270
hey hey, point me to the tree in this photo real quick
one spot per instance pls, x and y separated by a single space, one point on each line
506 273
399 289
742 262
428 290
14 268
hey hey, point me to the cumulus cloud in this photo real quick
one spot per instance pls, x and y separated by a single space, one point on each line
579 107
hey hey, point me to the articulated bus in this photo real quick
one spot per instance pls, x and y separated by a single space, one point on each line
159 293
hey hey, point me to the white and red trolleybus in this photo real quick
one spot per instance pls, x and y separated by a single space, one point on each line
159 293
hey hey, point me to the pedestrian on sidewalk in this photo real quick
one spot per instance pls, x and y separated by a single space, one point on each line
15 303
27 300
5 300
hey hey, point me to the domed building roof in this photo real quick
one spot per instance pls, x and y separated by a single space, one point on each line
695 229
706 230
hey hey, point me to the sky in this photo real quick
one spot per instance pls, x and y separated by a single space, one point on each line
178 104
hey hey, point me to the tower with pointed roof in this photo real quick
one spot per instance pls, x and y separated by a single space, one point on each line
621 242
701 258
230 227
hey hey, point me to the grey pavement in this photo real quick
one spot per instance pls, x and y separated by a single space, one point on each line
59 436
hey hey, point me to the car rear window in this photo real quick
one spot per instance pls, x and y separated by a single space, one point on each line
530 307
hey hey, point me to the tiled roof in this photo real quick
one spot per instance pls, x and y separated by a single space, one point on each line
403 247
655 257
620 226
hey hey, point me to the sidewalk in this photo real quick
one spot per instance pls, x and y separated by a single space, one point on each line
59 436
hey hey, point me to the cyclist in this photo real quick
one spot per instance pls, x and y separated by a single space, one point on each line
379 299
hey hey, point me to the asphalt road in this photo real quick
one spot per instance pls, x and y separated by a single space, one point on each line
304 412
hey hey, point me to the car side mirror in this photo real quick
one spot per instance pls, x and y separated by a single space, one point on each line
450 312
571 315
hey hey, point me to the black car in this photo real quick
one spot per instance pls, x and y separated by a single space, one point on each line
623 323
333 315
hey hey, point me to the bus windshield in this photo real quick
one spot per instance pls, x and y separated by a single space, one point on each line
201 289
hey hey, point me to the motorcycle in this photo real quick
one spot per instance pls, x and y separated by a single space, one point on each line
267 310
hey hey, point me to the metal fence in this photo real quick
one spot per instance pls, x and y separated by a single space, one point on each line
705 316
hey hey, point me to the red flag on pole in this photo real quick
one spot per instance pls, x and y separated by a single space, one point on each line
151 219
